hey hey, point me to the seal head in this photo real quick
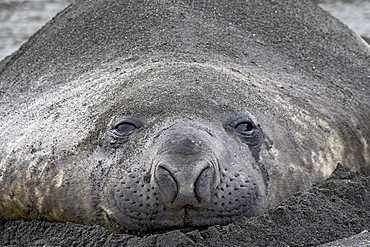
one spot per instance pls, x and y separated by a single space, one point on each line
194 179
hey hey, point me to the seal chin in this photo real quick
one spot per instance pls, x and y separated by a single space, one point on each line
186 218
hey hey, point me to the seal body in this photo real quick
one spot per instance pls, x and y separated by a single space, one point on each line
160 115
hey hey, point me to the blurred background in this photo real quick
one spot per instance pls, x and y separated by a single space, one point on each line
19 19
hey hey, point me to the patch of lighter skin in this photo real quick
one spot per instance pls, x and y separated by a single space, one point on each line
110 211
304 122
32 167
40 195
11 147
336 146
335 149
41 168
58 180
298 115
366 149
323 164
325 160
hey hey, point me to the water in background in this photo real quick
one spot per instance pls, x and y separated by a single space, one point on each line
354 13
19 19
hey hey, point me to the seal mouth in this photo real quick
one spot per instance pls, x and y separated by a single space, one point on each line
188 218
138 206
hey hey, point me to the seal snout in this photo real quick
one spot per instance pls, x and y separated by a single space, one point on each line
185 175
185 185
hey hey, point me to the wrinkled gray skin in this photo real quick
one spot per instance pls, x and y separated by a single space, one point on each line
154 115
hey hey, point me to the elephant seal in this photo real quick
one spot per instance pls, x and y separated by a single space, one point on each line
154 115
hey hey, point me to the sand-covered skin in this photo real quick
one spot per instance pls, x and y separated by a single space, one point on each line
336 209
302 75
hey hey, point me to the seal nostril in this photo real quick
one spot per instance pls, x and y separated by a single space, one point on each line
184 181
202 186
167 184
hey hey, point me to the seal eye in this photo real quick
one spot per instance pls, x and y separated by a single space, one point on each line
126 127
245 128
